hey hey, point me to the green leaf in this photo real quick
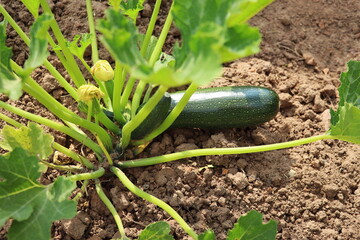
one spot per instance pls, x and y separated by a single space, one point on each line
345 122
32 206
38 43
115 4
158 230
79 44
250 227
32 6
9 83
242 11
131 8
120 36
207 235
31 138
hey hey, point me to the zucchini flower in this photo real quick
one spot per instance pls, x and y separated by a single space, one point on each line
89 92
102 70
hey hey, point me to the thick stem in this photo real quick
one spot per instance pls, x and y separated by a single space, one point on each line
150 28
94 47
87 176
219 151
141 115
135 103
160 43
167 208
74 70
119 81
111 208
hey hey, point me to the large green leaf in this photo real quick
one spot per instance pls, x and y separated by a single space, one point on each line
345 122
38 43
32 139
120 37
32 206
158 230
250 227
9 83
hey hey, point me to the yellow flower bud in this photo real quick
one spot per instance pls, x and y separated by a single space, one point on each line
89 92
102 70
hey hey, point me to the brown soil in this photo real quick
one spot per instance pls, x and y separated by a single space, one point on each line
313 191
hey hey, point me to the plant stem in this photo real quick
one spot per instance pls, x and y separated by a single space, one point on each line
107 155
74 169
172 115
74 70
219 151
112 209
160 43
56 146
90 108
125 95
87 176
119 81
135 103
73 155
47 64
141 115
57 126
167 208
94 47
150 28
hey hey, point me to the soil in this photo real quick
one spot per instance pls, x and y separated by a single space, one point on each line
313 191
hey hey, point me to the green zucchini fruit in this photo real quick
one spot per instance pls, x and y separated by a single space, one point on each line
215 108
154 119
227 107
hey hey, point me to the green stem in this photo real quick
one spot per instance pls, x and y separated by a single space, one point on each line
140 116
73 155
87 176
160 43
112 209
94 47
47 64
108 123
89 108
54 125
172 115
68 168
125 96
219 151
135 102
167 208
150 28
56 146
74 70
119 81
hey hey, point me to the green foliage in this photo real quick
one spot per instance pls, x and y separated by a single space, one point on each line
345 122
131 8
157 230
207 235
32 206
32 139
9 83
250 227
79 44
120 36
38 43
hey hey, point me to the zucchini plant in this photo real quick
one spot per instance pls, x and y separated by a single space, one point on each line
115 121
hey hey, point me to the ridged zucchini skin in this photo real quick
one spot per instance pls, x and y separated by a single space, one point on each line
227 107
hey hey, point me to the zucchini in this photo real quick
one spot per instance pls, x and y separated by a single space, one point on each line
215 108
227 107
